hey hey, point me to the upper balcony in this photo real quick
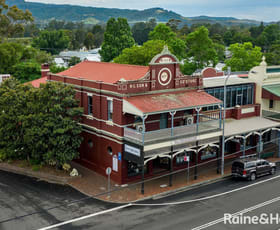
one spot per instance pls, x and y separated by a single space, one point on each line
188 132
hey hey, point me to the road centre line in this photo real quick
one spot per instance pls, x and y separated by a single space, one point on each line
162 204
86 217
214 222
210 197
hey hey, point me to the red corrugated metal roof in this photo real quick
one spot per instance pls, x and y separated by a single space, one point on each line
36 83
171 101
106 72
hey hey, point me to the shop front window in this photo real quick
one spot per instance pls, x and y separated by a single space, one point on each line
180 158
134 169
208 152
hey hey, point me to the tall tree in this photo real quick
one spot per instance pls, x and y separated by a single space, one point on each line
200 48
244 56
12 20
162 32
39 124
52 41
89 40
140 55
117 37
174 24
273 56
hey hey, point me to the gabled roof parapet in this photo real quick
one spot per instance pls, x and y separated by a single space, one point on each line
164 52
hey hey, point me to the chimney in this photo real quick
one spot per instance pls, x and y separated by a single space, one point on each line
45 69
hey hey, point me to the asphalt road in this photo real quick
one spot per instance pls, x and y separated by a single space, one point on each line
21 195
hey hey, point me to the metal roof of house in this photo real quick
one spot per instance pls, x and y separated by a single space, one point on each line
274 89
220 81
236 127
106 72
165 102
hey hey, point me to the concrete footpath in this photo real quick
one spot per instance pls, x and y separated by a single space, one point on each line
95 185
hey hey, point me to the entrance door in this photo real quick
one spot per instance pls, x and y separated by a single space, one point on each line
163 120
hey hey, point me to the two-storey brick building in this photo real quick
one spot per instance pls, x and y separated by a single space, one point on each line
141 120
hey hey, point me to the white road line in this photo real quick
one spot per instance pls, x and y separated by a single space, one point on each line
210 197
214 222
162 204
86 217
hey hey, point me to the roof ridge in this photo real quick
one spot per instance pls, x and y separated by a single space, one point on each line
98 62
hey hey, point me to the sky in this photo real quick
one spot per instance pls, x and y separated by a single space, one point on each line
261 10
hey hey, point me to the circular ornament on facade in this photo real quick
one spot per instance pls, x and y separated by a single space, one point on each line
164 76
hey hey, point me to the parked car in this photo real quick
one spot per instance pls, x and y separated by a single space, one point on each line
252 168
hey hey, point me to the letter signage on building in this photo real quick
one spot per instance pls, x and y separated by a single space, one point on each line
132 150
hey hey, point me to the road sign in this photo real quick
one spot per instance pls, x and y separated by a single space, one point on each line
119 156
108 171
186 158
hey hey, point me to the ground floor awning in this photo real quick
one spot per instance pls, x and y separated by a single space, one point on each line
164 102
236 127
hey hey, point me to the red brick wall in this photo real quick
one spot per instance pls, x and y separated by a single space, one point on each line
97 158
269 96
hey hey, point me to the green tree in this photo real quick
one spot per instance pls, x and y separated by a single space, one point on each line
273 56
52 132
14 98
140 55
162 32
89 40
26 71
244 56
74 60
139 32
220 50
117 37
200 48
188 67
173 24
57 69
39 124
52 41
10 54
269 36
12 20
98 33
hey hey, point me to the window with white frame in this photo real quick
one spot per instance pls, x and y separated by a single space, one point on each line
89 104
110 109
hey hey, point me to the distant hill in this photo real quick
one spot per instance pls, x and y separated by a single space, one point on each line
92 15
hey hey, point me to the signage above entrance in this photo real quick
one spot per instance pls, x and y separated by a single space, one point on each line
132 150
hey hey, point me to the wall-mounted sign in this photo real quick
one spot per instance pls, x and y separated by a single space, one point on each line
248 110
115 163
165 60
132 150
164 76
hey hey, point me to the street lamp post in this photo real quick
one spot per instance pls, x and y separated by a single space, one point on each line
224 116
